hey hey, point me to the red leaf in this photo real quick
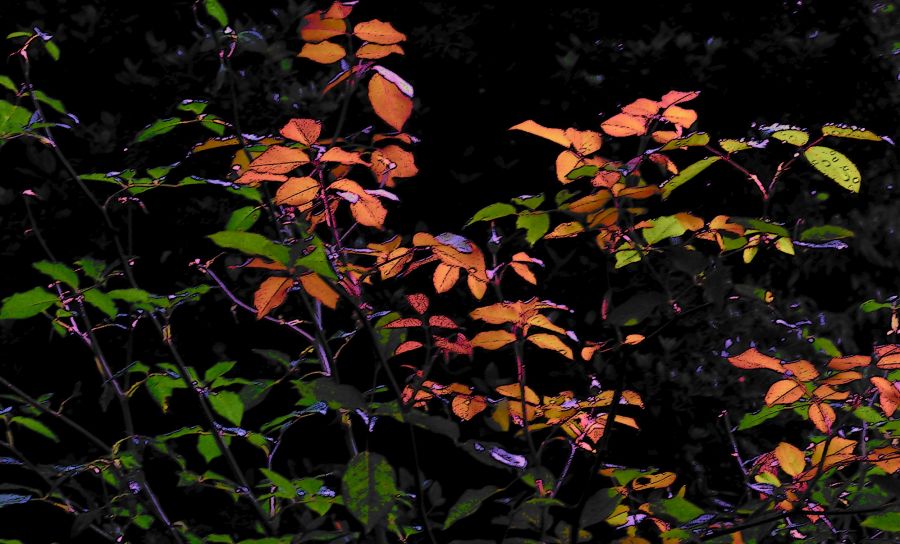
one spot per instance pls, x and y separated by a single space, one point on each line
442 321
419 302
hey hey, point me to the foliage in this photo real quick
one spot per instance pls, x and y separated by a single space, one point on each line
537 346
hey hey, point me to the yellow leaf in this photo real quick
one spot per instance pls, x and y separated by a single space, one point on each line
552 343
389 102
654 481
493 339
319 289
784 392
374 51
556 135
501 415
271 294
753 359
542 321
497 314
514 391
379 32
322 52
300 192
624 124
392 263
445 277
305 131
822 415
790 458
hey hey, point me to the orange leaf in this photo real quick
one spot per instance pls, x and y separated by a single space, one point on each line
419 302
319 289
753 359
553 134
677 97
552 343
409 345
315 27
523 271
642 107
445 277
542 321
300 192
279 159
339 10
392 264
271 294
790 458
840 450
633 339
589 203
624 124
366 209
585 142
373 51
784 392
842 377
493 339
305 131
442 321
253 179
689 221
850 362
379 32
468 406
664 136
888 395
680 116
822 416
565 230
322 52
389 102
391 162
565 163
256 262
802 370
460 344
497 314
336 154
888 356
887 459
514 391
653 481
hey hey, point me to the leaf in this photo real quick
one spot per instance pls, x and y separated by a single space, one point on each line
888 395
36 426
57 105
101 301
208 448
319 289
556 135
752 420
624 124
389 102
7 499
552 343
856 133
279 159
374 51
677 97
822 415
784 392
790 458
536 225
316 260
445 277
217 370
157 128
493 339
215 10
315 28
695 139
661 228
834 165
52 49
686 175
733 146
193 106
752 359
305 131
271 294
242 219
366 209
379 32
6 82
885 521
680 509
491 212
286 489
300 192
228 405
369 488
13 119
392 162
680 116
798 138
468 406
58 272
252 244
599 506
654 481
322 52
468 503
825 233
161 387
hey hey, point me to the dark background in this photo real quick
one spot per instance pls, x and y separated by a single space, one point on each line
477 68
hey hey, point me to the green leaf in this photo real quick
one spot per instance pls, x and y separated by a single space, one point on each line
317 259
243 218
599 506
529 201
217 370
228 405
752 420
664 227
798 138
216 127
252 244
161 387
92 267
536 225
140 298
733 146
825 233
626 255
36 426
468 503
635 309
27 304
763 226
13 119
856 133
157 128
680 509
826 346
7 499
834 165
101 301
494 211
885 521
53 49
193 106
695 139
216 11
207 447
369 488
52 102
58 272
184 431
872 305
8 83
286 489
686 175
868 414
586 171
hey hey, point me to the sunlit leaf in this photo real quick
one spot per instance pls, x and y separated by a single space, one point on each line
215 10
243 219
790 458
888 395
374 51
252 244
553 134
389 101
834 165
784 392
798 138
305 131
844 131
825 233
445 277
493 211
733 146
366 209
58 272
391 162
157 128
680 509
319 289
271 294
100 300
493 339
686 175
301 192
624 124
822 415
565 230
680 116
323 52
695 139
379 32
468 406
553 343
285 489
536 224
752 420
753 359
315 27
885 521
654 481
35 426
279 159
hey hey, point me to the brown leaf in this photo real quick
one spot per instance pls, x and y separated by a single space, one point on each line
271 294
